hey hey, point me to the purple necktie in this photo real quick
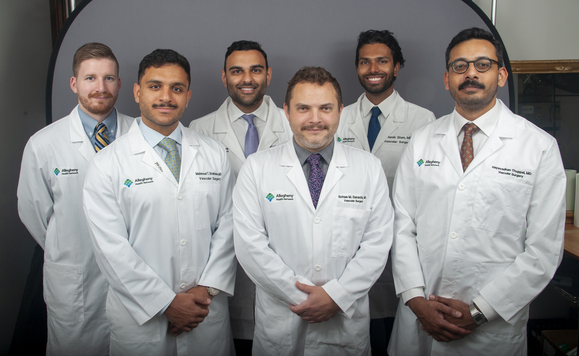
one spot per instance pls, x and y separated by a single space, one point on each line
251 139
316 179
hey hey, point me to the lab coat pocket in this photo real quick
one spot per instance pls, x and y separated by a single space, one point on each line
124 328
63 292
347 230
501 205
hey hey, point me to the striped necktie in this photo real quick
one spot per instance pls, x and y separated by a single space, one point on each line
101 139
173 160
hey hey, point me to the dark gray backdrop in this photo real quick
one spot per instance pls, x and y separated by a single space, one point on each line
293 34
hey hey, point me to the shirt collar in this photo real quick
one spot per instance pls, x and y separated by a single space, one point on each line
303 154
153 137
486 122
235 113
385 106
89 124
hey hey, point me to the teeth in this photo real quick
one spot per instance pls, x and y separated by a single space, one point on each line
374 79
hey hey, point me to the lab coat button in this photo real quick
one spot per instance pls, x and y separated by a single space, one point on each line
461 186
180 197
183 242
318 268
183 285
317 220
453 235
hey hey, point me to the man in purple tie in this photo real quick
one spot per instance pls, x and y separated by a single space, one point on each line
248 121
312 229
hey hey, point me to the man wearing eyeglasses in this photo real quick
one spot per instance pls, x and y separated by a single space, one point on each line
480 210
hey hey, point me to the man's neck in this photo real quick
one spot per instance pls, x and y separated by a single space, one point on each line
472 115
378 98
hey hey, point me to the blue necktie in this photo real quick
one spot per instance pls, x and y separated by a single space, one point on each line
251 139
316 179
374 126
173 160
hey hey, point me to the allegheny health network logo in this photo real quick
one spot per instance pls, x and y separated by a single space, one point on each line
420 163
339 139
270 196
128 183
56 171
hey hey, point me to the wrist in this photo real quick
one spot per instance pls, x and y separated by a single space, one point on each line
477 315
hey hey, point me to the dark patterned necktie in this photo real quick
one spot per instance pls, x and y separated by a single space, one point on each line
374 126
466 150
316 179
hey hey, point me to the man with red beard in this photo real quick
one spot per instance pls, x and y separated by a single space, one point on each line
248 121
50 204
480 216
381 122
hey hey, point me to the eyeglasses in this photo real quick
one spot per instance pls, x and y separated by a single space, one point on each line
482 65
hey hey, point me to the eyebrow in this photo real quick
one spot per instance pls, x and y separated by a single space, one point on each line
476 59
155 81
381 57
251 67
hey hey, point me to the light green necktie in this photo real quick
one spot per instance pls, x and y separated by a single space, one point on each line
173 160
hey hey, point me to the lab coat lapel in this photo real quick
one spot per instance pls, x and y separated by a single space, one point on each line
269 136
78 135
223 127
505 129
296 174
334 174
449 143
356 126
188 151
396 117
140 146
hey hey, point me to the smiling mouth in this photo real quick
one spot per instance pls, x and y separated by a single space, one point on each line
374 79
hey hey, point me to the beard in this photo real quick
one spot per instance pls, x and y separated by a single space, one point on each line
98 107
473 102
151 116
377 88
316 142
239 98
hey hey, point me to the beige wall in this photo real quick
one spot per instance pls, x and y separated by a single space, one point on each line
537 29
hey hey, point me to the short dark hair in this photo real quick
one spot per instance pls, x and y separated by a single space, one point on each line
475 33
314 75
244 45
161 57
92 50
385 37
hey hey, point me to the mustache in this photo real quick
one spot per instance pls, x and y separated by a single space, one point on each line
246 85
104 94
471 83
317 127
164 105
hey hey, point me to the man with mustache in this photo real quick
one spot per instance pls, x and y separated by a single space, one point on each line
248 121
53 169
158 205
312 228
381 122
480 212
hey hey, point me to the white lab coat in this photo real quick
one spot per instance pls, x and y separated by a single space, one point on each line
217 125
495 230
404 118
280 238
50 205
154 237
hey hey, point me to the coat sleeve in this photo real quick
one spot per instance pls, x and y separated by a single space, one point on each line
532 270
369 261
138 287
35 198
263 266
220 269
406 266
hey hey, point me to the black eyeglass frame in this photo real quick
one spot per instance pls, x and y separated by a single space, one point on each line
451 64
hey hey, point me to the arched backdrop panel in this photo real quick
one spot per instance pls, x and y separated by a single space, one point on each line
293 34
